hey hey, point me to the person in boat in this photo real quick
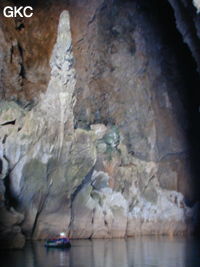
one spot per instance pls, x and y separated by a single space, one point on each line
61 241
63 237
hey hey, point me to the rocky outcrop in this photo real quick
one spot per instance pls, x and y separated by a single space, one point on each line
38 157
10 231
101 151
125 199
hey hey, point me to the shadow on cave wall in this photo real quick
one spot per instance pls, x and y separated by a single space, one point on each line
161 15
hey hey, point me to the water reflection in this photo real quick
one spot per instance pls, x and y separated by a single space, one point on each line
138 252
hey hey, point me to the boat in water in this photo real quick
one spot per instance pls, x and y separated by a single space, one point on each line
61 242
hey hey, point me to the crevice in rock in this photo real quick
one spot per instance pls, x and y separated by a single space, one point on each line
19 24
10 200
40 209
185 21
22 72
92 222
85 181
9 123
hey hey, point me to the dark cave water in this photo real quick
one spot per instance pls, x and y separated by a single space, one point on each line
134 252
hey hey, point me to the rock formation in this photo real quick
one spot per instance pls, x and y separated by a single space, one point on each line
10 231
93 128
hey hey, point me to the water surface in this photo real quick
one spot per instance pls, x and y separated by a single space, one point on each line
136 252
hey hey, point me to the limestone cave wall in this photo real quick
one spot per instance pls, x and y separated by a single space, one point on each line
98 120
